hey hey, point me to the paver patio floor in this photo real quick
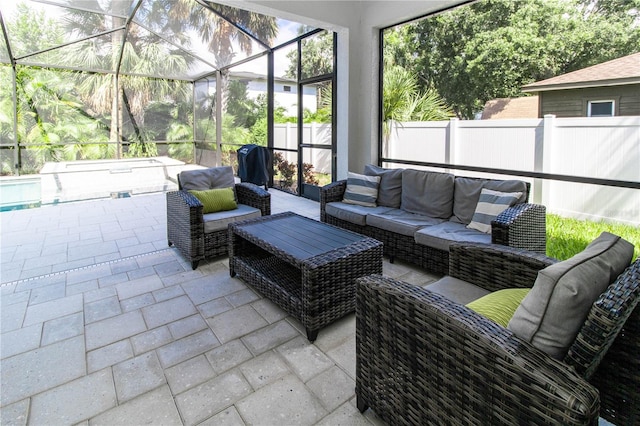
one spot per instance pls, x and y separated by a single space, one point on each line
103 323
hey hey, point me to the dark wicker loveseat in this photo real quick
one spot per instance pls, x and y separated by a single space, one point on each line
423 359
521 226
186 223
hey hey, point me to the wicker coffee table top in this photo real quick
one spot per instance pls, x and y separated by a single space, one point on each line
296 238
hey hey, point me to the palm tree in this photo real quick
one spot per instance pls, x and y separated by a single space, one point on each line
402 101
218 33
141 55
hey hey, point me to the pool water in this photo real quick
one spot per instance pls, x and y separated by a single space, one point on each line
18 193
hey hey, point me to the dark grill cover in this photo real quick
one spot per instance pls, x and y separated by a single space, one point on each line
253 164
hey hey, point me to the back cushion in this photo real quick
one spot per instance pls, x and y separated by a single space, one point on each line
553 312
427 193
390 190
201 179
467 191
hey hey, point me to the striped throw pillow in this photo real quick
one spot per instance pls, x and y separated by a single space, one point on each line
490 205
361 190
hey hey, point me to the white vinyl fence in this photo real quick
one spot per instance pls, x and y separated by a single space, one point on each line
604 148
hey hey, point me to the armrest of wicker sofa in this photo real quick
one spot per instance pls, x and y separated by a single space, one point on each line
330 193
185 226
423 359
522 226
495 267
254 196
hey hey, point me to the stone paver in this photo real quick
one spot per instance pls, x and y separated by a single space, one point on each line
137 376
188 347
236 323
113 329
228 356
42 369
63 328
305 359
288 402
168 311
53 309
75 401
189 374
333 387
264 369
205 400
154 408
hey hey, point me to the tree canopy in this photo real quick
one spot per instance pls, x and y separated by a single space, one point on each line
492 48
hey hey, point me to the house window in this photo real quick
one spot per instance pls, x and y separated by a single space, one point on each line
287 88
600 109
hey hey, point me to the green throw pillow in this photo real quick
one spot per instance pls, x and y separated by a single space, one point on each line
500 305
216 200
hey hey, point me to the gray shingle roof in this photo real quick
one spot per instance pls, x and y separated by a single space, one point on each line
625 70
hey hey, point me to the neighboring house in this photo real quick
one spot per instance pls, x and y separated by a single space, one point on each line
608 89
285 91
525 107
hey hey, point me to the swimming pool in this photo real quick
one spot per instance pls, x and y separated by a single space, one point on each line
67 181
22 192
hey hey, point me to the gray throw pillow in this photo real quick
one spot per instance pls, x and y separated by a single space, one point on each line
552 314
201 179
465 198
467 191
427 193
390 190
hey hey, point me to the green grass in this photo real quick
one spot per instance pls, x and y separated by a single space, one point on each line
566 237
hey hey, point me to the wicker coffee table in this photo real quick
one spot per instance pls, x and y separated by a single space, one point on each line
306 267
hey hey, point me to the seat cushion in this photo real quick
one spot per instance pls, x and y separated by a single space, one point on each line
401 222
361 190
490 205
427 193
201 179
390 190
553 312
467 191
443 235
352 213
457 290
220 220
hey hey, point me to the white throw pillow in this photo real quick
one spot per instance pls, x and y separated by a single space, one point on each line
490 205
361 190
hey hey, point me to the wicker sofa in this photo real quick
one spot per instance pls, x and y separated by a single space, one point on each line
448 203
200 236
423 359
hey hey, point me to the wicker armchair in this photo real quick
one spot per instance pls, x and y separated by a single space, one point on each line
186 223
422 359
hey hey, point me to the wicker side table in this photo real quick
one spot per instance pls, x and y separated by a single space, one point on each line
306 267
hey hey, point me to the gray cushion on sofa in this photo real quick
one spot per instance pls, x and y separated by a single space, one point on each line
353 213
401 222
221 220
443 235
467 191
457 290
427 193
390 190
215 177
553 312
